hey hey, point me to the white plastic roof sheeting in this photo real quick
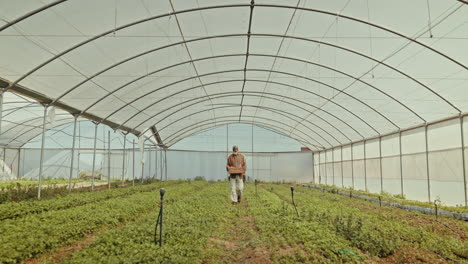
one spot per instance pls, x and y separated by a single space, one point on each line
323 72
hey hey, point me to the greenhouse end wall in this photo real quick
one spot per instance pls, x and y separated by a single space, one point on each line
181 165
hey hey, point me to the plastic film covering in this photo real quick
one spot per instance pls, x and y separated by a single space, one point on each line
189 65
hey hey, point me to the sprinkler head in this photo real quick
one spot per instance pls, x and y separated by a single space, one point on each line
162 191
292 188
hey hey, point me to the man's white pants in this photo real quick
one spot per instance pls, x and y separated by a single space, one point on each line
237 186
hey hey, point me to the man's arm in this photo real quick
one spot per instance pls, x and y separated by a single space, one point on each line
244 164
227 164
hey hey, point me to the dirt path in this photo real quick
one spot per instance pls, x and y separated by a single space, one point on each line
237 240
61 253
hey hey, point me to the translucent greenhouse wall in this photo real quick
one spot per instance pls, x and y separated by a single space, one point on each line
271 167
423 168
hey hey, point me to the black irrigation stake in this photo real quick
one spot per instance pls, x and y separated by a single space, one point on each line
436 208
350 194
159 222
380 201
292 196
256 192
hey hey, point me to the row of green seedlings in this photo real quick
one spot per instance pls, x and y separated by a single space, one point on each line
189 220
397 198
437 206
374 233
293 239
28 236
16 193
19 209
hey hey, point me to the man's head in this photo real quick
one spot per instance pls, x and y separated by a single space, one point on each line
235 149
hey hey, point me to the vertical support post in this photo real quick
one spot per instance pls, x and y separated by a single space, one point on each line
365 167
333 166
380 157
2 91
133 159
401 164
123 157
156 162
108 159
313 168
79 147
342 171
41 162
165 162
326 168
252 165
427 165
149 164
227 139
72 154
142 171
94 156
319 169
161 164
1 119
352 167
2 168
464 160
142 163
19 164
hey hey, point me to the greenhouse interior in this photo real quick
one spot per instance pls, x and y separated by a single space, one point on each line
253 131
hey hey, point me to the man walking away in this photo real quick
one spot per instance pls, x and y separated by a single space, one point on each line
236 167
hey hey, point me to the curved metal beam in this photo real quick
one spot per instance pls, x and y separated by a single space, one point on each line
287 115
239 55
207 84
233 94
29 14
29 131
236 35
228 94
236 120
27 121
369 24
228 6
273 94
231 106
227 122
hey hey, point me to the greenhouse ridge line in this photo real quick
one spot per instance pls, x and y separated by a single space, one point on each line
249 31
